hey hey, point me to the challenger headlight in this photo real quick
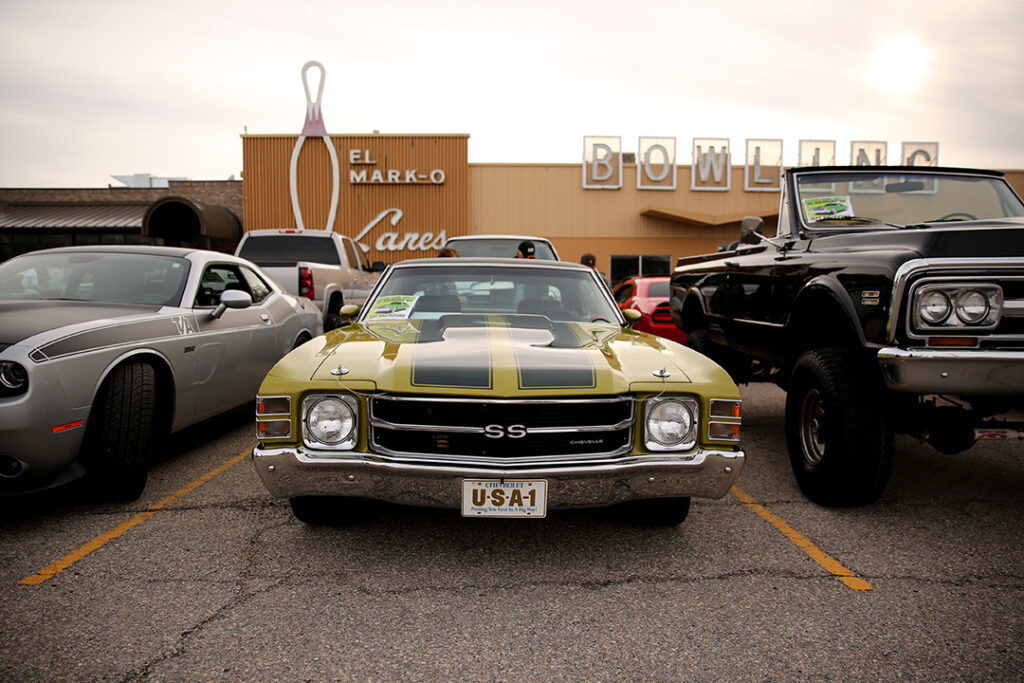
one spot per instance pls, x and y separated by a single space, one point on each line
330 421
671 423
13 378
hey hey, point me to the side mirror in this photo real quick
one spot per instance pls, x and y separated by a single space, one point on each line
231 298
751 229
631 315
378 267
349 311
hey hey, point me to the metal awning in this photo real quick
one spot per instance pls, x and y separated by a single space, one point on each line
72 216
697 218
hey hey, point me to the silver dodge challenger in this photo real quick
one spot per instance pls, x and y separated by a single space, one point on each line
105 350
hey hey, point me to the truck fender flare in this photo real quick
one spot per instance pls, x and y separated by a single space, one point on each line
825 288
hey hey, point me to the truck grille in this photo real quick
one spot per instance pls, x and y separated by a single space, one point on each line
500 432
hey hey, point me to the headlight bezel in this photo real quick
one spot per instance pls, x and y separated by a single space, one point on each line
655 436
310 438
956 318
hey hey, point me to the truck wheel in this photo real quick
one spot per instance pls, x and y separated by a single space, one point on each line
839 446
657 511
119 443
700 341
324 510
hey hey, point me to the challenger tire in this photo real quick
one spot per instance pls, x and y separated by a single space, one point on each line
839 447
119 443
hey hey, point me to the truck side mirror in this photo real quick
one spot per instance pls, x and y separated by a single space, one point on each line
751 229
378 267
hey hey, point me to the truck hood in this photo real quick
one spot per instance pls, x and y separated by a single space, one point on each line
502 356
979 239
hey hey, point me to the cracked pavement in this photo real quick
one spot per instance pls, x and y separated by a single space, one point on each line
226 585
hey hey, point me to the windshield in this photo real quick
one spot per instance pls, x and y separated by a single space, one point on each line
432 291
868 199
95 276
486 246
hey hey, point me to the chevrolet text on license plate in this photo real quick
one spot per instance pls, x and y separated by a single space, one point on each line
504 497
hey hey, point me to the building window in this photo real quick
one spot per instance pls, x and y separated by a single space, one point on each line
626 265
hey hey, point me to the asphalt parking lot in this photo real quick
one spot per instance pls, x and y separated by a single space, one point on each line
207 578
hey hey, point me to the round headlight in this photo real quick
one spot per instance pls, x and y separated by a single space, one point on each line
13 376
330 421
670 423
934 307
972 306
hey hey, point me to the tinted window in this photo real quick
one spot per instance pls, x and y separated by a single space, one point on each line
287 250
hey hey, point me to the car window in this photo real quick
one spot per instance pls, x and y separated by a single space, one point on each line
287 250
260 290
624 292
216 279
658 288
499 247
124 278
432 291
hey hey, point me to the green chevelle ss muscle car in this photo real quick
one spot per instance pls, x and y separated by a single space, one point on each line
500 387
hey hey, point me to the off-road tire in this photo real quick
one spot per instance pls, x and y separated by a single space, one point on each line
120 433
839 446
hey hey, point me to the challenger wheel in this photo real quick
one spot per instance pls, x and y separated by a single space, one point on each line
839 447
119 441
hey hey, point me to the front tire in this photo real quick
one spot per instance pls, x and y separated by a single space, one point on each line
119 443
839 447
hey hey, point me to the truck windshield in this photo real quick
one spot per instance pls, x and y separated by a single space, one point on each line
872 199
286 250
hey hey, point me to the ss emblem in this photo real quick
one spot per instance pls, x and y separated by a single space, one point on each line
498 431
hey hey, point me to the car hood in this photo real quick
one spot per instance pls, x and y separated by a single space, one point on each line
21 319
495 355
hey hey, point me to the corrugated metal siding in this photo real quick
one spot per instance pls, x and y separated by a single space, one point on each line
426 207
81 216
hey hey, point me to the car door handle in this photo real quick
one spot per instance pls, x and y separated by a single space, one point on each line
732 264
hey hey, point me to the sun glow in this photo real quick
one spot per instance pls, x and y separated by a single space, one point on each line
898 65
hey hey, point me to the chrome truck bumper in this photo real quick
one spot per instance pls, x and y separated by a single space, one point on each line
964 372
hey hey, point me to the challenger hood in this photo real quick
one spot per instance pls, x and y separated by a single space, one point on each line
508 355
24 318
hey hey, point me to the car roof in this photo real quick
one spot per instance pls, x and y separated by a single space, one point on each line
497 262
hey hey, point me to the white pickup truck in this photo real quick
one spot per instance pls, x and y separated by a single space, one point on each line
321 265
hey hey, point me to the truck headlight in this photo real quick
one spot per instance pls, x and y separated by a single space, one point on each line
671 423
330 421
951 306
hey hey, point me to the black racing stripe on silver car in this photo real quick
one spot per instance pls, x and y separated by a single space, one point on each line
113 335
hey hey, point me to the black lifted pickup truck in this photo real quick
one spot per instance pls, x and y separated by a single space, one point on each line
890 301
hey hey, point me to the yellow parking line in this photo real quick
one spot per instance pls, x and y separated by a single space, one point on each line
822 558
63 563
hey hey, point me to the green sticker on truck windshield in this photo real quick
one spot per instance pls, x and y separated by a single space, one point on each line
818 208
392 307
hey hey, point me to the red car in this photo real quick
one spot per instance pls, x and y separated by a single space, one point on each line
649 295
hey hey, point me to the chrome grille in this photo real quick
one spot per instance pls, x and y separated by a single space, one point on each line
501 432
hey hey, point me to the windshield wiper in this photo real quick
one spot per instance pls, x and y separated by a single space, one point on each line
865 219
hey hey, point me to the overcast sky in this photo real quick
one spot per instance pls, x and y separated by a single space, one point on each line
91 90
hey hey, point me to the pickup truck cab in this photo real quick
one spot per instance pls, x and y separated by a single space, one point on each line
891 301
321 265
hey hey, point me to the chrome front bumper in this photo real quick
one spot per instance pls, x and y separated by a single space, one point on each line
966 372
291 472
